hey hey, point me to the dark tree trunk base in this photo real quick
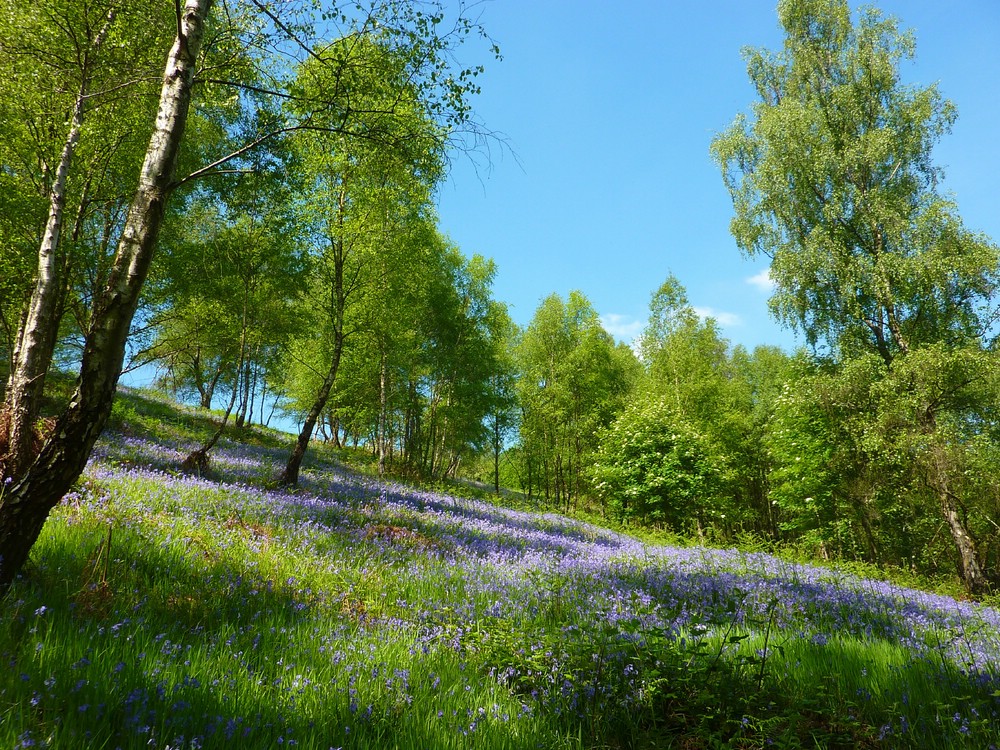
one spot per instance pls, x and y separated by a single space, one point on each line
42 430
289 477
197 462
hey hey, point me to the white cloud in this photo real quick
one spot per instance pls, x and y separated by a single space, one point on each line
622 327
762 281
721 317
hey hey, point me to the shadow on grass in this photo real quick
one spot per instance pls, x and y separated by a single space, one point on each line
143 414
170 647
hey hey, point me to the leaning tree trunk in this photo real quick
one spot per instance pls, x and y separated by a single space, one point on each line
197 460
338 307
972 573
27 503
36 339
290 476
973 577
338 298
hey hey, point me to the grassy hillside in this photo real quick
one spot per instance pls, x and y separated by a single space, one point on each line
165 610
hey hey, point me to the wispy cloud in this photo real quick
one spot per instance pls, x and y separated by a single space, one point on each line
622 327
721 317
762 281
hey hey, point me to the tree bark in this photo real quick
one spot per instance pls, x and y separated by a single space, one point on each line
972 574
25 506
973 577
383 409
338 302
497 447
36 340
197 460
290 475
335 431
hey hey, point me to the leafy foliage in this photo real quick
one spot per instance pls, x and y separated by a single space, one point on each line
206 611
832 179
655 467
572 382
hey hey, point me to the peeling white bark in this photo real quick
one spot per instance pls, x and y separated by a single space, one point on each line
26 505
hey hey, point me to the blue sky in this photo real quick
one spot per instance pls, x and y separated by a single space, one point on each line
609 109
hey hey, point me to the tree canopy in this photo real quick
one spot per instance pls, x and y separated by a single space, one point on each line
242 195
832 178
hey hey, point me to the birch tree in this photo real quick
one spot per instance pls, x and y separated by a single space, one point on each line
66 63
831 178
256 36
358 194
26 504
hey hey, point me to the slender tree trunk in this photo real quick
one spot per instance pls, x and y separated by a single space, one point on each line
972 574
430 439
252 395
939 470
241 412
197 460
382 416
497 445
274 405
335 428
973 577
245 412
263 397
338 303
203 396
443 440
209 395
531 484
27 503
453 464
36 340
290 475
413 454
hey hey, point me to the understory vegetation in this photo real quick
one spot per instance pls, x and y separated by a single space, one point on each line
486 532
170 610
282 256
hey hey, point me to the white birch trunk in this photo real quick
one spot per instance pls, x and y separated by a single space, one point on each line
36 339
26 505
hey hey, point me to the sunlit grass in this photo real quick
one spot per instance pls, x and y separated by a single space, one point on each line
162 610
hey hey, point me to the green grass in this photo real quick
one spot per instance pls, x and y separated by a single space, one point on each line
160 610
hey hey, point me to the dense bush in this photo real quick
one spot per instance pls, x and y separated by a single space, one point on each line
655 467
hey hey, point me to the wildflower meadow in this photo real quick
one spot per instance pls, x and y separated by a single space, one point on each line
174 611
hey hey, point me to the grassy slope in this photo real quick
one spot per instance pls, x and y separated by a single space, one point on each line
172 611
